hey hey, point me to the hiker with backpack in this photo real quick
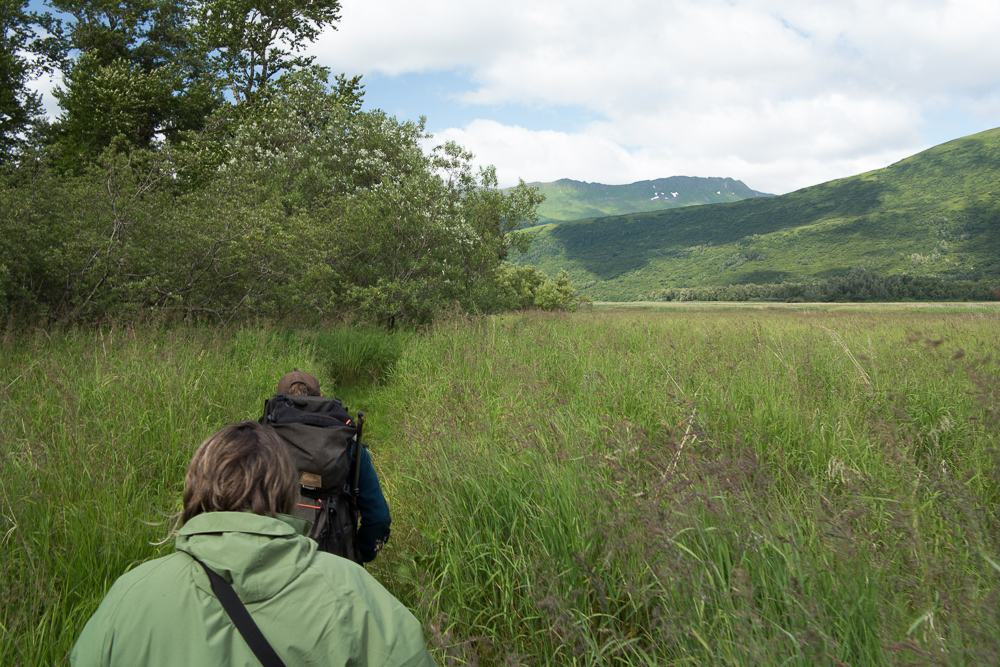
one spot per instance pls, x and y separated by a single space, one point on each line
337 481
245 586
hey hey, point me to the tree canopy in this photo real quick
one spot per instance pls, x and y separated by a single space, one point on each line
251 43
199 166
25 51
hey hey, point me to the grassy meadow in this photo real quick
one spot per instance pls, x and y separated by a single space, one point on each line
613 487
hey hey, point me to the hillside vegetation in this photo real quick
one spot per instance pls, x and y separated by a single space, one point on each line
677 488
567 199
934 214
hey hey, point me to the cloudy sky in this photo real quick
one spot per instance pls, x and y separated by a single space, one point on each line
780 94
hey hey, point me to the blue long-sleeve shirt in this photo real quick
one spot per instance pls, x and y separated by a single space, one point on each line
373 510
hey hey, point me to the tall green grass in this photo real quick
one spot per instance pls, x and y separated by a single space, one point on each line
623 488
700 488
96 431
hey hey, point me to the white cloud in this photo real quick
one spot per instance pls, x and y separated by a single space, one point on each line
536 155
547 155
394 37
777 93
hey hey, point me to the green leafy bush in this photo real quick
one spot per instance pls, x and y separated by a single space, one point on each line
298 205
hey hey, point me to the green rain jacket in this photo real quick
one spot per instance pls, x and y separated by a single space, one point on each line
313 607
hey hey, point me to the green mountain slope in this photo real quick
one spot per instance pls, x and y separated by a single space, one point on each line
934 214
572 200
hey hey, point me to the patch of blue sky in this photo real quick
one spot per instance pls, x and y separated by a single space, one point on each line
951 122
38 6
788 25
437 95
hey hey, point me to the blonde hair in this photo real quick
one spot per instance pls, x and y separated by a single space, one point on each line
243 467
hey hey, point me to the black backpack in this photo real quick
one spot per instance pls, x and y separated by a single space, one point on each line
320 435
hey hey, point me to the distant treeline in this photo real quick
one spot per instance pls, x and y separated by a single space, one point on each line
858 285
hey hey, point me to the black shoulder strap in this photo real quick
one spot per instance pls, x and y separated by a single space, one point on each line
241 618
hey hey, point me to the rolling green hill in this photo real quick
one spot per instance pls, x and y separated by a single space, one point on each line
936 213
572 200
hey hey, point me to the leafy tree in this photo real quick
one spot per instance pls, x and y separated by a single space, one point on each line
138 75
490 224
24 53
304 204
252 42
400 233
37 220
524 287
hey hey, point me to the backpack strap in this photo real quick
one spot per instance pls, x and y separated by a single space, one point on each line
311 410
355 489
241 618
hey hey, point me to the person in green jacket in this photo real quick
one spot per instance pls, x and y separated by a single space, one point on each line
313 608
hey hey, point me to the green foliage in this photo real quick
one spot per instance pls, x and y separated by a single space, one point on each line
251 42
856 285
148 70
137 76
400 234
84 251
525 287
23 54
38 214
931 215
301 205
288 200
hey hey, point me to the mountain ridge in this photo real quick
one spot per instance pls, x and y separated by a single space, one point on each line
567 199
936 213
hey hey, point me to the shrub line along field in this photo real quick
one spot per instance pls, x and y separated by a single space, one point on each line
987 307
668 487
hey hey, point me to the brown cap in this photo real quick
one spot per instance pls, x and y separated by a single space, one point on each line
308 382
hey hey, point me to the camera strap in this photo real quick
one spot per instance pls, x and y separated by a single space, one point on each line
241 618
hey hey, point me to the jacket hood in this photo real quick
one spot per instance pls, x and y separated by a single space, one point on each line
258 555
